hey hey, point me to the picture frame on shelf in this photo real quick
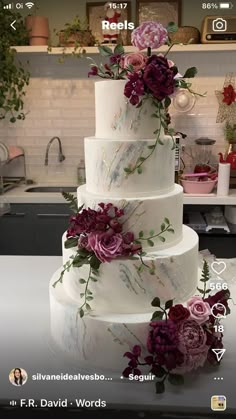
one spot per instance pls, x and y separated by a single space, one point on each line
98 11
158 10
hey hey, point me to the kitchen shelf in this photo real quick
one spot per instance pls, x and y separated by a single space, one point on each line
212 199
130 48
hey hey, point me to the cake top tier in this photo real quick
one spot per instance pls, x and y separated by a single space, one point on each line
116 118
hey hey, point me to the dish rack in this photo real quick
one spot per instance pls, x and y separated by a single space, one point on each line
9 182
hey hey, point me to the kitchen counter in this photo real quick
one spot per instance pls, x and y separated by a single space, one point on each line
19 196
26 343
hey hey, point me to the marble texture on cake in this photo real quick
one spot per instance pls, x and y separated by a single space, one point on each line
106 160
115 118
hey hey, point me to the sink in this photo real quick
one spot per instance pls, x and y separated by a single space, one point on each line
59 189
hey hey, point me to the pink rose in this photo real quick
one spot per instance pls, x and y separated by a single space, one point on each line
137 60
192 344
106 245
149 34
199 309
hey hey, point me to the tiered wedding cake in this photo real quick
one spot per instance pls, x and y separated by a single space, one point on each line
121 309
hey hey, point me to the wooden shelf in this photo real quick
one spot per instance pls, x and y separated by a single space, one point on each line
94 50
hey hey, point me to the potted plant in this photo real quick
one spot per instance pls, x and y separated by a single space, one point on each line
76 34
38 28
230 133
13 76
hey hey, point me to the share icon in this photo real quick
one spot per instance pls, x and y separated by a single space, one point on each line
219 353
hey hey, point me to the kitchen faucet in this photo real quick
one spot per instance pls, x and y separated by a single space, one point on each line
61 157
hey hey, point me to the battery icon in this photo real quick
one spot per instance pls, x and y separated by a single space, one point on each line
225 5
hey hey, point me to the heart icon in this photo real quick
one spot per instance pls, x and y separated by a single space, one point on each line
218 267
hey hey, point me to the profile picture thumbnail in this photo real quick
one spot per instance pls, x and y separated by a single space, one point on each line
18 376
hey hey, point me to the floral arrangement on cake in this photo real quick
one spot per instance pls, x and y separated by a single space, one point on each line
150 77
99 237
181 338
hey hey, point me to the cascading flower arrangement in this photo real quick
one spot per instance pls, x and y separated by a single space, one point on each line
181 338
150 77
98 236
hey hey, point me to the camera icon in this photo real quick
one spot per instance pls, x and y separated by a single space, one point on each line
219 25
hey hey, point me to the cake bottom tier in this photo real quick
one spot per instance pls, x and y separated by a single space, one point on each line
99 341
121 286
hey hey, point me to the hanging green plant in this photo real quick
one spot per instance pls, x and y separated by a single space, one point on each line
13 76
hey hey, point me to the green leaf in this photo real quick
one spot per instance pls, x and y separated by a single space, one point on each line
81 313
71 242
127 170
166 220
140 234
139 170
81 294
95 262
87 306
89 298
72 200
151 147
167 102
160 142
141 159
157 315
162 239
190 72
160 387
139 104
119 49
208 290
93 279
156 302
158 371
82 281
150 243
170 230
176 379
105 51
151 232
172 27
201 291
163 226
89 292
168 304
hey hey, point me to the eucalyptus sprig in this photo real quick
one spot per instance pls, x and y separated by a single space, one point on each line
166 226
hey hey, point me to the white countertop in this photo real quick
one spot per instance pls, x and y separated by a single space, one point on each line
19 195
26 343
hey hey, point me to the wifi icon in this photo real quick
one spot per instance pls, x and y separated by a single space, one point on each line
29 4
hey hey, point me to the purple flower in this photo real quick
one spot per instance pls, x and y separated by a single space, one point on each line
158 77
106 245
93 71
134 88
115 59
134 361
149 34
192 344
162 337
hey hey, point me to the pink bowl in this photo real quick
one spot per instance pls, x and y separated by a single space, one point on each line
195 187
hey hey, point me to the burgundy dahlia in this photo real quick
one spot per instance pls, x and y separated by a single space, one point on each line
158 77
134 88
162 337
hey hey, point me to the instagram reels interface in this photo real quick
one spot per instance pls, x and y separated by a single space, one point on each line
118 208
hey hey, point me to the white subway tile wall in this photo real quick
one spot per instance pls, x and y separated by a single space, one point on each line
60 102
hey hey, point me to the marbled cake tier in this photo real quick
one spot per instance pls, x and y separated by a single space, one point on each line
99 340
145 214
121 288
118 119
105 160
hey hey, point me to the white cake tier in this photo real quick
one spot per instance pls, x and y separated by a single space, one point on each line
100 341
105 161
121 288
118 119
145 214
